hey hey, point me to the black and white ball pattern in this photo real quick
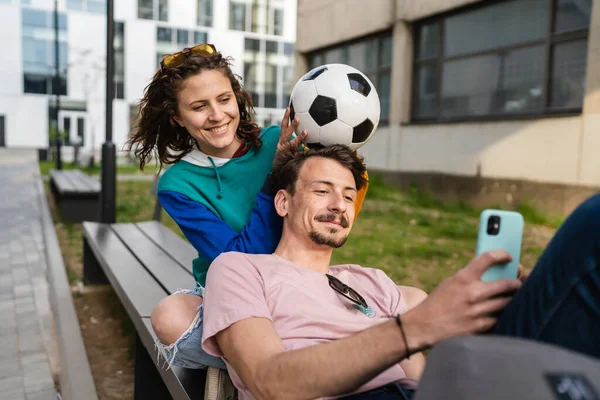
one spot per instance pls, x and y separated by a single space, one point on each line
336 104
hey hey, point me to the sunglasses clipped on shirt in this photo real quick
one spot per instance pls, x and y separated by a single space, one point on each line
176 59
346 291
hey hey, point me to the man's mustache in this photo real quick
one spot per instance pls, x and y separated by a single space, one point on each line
331 217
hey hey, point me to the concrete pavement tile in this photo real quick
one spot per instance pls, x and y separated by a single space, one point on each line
46 394
12 385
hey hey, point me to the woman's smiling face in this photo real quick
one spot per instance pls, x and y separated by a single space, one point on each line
208 110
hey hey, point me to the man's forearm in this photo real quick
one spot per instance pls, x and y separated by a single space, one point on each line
334 368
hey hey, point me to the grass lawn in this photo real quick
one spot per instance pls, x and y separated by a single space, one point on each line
416 240
128 169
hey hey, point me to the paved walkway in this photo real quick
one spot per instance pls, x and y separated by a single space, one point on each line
27 348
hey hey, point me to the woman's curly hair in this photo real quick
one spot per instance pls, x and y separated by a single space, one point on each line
156 132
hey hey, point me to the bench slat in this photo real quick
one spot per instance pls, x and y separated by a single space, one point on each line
168 272
75 182
183 383
85 182
170 242
136 288
82 182
62 182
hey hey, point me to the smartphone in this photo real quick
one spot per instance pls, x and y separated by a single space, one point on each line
501 230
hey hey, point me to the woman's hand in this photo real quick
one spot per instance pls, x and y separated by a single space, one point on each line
287 129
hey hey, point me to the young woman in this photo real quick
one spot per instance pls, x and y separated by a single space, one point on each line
196 115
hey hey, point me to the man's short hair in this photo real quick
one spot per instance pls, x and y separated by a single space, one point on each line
287 165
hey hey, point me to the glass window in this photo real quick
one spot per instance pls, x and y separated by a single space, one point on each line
237 16
96 6
272 47
478 30
145 13
67 130
357 55
372 56
252 44
268 72
385 52
76 5
427 91
81 129
39 58
35 50
288 84
572 15
182 37
278 22
288 49
119 46
384 89
205 12
495 84
250 81
270 86
163 10
336 55
34 83
32 17
568 74
146 9
428 41
164 34
171 40
153 9
315 60
200 37
93 6
494 60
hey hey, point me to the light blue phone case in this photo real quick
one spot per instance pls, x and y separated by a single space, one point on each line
509 239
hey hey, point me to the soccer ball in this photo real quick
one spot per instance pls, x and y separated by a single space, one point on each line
335 104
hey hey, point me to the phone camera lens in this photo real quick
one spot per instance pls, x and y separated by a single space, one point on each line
493 225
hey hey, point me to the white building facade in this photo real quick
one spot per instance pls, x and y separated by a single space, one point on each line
258 34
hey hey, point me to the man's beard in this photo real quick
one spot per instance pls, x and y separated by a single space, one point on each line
320 238
334 242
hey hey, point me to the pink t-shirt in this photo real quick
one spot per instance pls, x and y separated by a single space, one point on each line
302 306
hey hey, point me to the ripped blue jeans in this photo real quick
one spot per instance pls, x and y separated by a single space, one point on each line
187 351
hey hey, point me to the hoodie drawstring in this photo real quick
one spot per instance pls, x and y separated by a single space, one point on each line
219 186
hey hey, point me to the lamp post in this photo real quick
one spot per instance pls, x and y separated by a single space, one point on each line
108 185
56 87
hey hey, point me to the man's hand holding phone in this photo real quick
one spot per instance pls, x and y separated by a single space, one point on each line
463 303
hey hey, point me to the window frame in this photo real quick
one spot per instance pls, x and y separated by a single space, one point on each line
257 48
174 43
253 16
155 11
272 27
85 6
47 77
378 71
205 20
119 50
548 41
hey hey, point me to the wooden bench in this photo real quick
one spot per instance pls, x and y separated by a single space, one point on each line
145 262
77 195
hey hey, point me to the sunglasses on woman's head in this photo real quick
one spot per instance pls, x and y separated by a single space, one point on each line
176 59
346 291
